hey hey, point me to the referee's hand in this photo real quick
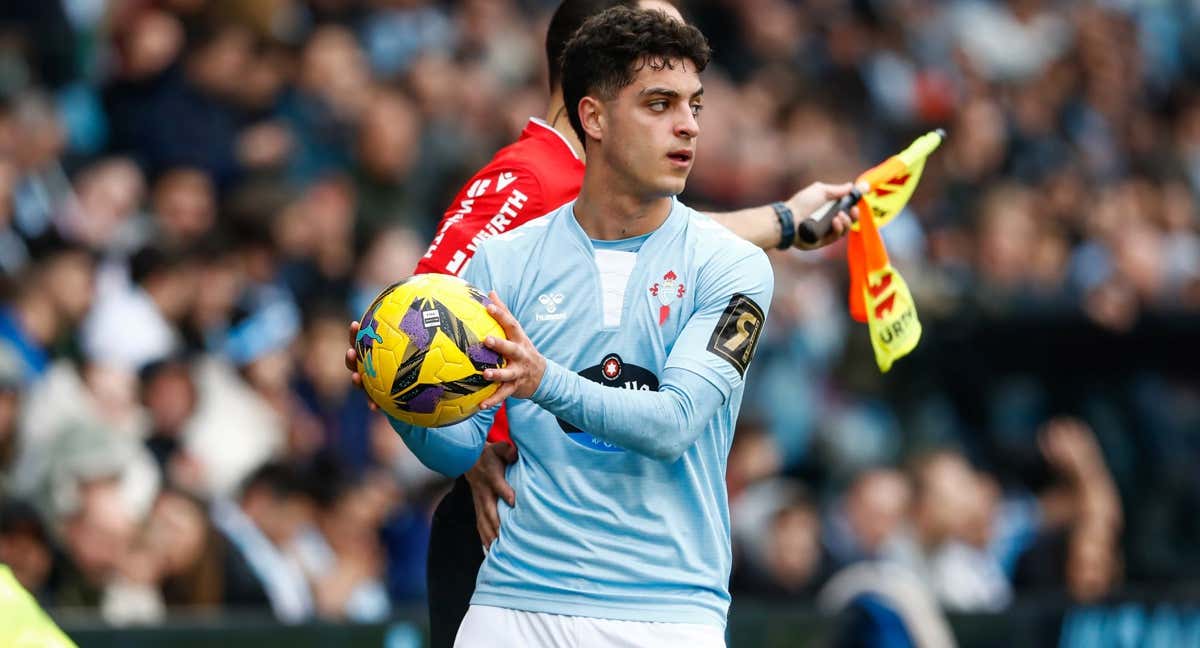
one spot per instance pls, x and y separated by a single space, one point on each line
812 201
488 486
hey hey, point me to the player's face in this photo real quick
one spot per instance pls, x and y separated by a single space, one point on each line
652 127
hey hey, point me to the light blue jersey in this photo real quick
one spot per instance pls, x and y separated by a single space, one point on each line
621 510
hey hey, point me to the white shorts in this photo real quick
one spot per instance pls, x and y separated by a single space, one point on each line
492 627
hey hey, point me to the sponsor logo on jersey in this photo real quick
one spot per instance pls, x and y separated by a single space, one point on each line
508 212
610 367
478 187
550 303
505 179
610 372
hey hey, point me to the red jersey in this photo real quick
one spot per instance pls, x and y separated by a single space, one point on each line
525 180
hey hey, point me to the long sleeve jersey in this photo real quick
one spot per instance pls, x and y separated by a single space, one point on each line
621 509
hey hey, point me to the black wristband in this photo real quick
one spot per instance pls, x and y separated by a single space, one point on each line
787 225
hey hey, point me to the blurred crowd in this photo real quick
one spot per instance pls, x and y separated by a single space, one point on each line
197 196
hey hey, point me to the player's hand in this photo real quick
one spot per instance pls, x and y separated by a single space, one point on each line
352 364
524 366
487 482
811 201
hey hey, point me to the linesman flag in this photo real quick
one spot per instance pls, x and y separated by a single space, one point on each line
878 294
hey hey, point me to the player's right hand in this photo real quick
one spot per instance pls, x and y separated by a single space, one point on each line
352 364
524 365
488 485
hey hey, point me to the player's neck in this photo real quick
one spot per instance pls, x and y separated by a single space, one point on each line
556 116
606 213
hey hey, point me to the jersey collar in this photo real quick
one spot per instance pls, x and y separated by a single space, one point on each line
665 232
540 129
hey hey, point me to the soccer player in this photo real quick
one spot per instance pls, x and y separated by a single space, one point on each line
542 170
620 531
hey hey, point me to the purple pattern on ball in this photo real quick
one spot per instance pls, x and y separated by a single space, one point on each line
413 325
481 297
427 400
483 355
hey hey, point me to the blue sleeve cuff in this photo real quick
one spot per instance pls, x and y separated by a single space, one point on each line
551 384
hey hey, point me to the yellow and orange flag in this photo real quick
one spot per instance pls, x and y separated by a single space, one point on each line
878 294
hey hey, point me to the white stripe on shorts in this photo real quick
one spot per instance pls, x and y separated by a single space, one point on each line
492 627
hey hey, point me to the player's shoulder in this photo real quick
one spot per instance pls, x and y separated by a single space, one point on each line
524 238
713 243
549 163
504 173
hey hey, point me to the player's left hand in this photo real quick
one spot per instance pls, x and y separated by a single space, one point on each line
813 198
524 366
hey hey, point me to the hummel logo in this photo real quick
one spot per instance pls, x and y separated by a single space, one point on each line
551 302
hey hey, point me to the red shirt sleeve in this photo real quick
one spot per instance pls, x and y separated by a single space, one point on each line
495 200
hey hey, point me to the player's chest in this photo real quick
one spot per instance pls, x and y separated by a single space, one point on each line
577 306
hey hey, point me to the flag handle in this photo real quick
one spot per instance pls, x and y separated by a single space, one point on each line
817 225
814 228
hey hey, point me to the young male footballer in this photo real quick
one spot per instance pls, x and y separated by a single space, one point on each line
540 171
620 529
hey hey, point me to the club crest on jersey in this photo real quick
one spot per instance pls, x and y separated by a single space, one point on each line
667 291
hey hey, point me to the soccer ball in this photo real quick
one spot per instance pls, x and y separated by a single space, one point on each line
420 350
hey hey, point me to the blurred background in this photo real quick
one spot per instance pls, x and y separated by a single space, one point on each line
197 196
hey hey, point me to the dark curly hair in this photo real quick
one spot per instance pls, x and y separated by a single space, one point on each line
565 22
611 47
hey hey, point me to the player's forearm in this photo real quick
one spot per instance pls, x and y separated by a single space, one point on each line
661 425
759 225
450 450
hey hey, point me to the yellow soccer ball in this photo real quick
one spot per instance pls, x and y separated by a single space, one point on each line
420 350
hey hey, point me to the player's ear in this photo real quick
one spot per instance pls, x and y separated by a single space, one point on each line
591 117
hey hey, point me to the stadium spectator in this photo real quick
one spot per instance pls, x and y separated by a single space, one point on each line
241 419
262 527
388 148
184 551
11 380
84 494
872 510
946 498
780 555
25 547
183 204
341 551
49 299
168 393
322 391
1078 549
135 325
104 215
